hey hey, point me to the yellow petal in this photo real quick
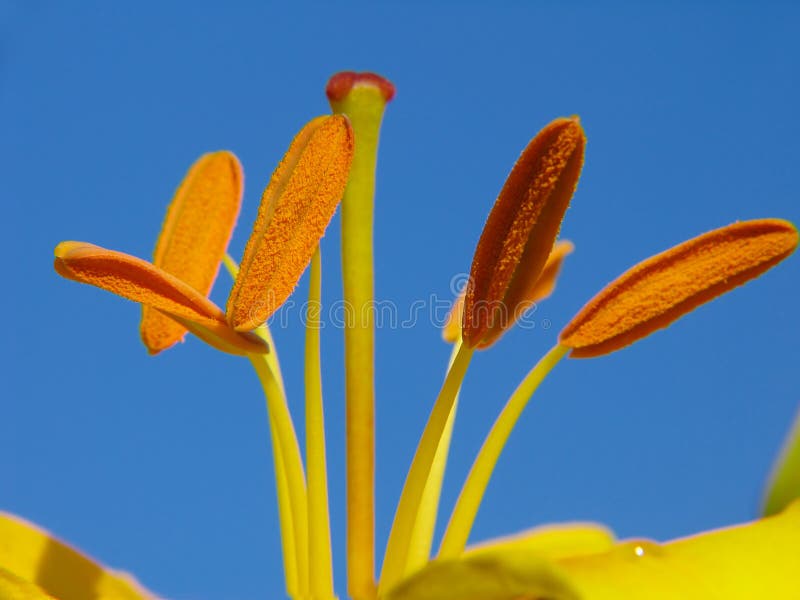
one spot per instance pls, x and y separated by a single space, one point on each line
664 287
33 555
523 225
522 565
756 560
194 237
295 209
140 281
16 588
508 574
518 566
552 541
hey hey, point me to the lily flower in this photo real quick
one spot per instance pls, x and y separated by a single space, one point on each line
516 262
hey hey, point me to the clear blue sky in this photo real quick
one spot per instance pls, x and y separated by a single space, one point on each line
161 466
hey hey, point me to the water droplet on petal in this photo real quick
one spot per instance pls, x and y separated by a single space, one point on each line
636 549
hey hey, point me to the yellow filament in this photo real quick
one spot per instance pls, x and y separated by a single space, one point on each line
285 513
460 525
419 550
396 557
283 433
319 528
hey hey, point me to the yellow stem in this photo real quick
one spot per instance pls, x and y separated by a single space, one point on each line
396 557
319 530
466 509
269 372
419 550
290 472
364 106
285 517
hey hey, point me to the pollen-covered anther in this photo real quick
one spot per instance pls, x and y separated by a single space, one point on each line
296 207
527 294
535 291
194 237
522 227
664 287
141 281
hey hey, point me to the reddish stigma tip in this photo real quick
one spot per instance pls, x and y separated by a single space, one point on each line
340 85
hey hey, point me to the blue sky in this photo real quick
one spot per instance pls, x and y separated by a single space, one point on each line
161 466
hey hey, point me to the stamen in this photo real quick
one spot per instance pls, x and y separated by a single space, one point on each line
295 209
528 291
290 479
469 500
532 290
419 548
134 279
195 234
286 515
141 281
319 528
665 287
522 226
395 560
